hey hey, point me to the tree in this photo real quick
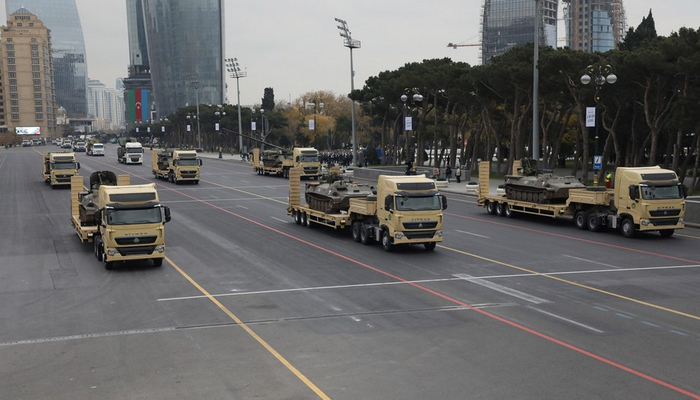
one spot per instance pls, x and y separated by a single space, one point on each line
268 100
635 39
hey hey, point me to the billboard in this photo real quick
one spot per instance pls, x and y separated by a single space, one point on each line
28 130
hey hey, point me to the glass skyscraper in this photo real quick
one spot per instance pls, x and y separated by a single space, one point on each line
594 25
185 51
68 50
510 23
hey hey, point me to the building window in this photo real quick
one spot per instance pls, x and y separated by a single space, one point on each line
35 54
35 61
14 102
9 39
37 95
12 68
37 81
14 109
13 89
39 116
11 53
9 46
37 88
36 75
38 109
13 95
33 40
34 47
12 74
10 60
13 81
36 68
37 102
15 116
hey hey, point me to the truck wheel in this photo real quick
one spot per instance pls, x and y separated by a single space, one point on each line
387 244
304 219
365 237
297 217
594 222
157 262
507 211
97 242
581 220
667 233
491 207
627 228
430 246
171 178
500 208
356 228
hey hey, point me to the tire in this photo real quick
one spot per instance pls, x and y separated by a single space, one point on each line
97 244
500 207
627 228
430 246
356 229
581 220
667 233
507 211
365 237
594 223
297 217
387 243
304 219
157 262
491 207
171 178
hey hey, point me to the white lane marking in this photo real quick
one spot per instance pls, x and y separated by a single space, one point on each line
473 234
591 261
238 205
284 221
219 200
362 285
571 321
503 289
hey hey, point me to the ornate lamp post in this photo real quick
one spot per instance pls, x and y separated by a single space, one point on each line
191 118
601 74
408 126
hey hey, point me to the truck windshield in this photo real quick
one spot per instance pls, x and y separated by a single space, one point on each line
134 150
188 162
134 216
63 165
418 203
662 192
308 158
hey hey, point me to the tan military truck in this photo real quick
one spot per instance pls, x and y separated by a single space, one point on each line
176 165
124 222
58 168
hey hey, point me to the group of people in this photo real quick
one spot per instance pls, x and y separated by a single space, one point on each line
410 170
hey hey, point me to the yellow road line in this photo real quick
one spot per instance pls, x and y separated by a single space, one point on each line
252 333
619 296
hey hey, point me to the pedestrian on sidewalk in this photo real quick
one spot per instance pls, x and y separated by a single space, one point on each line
448 173
458 173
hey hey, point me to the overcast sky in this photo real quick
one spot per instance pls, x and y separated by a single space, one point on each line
295 47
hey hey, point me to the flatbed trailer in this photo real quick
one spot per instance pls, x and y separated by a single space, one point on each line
595 208
86 233
371 222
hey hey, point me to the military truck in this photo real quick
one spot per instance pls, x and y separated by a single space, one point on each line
130 151
95 148
124 222
642 199
176 165
279 162
58 168
405 210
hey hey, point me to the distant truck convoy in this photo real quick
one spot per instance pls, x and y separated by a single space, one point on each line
643 199
58 168
279 162
130 151
79 146
124 222
176 165
403 210
95 149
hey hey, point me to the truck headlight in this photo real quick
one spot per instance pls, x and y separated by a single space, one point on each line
438 233
160 248
111 252
645 222
398 235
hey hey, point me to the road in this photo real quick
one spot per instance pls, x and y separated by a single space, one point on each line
250 305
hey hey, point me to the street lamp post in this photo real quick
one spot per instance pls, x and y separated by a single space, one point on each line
601 74
193 80
408 126
191 118
235 70
351 44
219 115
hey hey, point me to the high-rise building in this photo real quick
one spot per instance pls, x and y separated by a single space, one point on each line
180 42
594 25
106 106
27 98
509 23
68 54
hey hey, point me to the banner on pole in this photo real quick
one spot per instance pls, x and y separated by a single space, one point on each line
590 117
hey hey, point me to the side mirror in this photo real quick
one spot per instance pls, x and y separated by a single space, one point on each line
200 162
685 191
389 203
444 201
98 217
78 165
166 209
634 192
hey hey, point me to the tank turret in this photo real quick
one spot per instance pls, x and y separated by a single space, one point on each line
88 200
333 193
539 186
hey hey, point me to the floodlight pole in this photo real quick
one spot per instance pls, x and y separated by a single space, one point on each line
351 44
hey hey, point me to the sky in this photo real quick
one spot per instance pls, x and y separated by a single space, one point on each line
295 47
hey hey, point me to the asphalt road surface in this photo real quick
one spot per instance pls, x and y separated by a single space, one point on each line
249 305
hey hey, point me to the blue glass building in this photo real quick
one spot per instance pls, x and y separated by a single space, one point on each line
68 50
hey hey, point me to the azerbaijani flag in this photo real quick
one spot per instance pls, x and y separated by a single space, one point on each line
137 108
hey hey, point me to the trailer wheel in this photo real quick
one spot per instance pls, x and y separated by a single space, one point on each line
491 207
500 208
157 262
667 233
365 237
507 211
594 222
356 228
581 220
297 217
430 246
304 219
627 228
387 244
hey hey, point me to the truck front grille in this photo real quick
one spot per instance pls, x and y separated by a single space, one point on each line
420 234
664 221
420 225
135 250
124 241
665 213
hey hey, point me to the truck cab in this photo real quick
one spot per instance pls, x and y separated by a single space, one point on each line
177 165
79 146
95 149
130 151
648 199
58 168
306 158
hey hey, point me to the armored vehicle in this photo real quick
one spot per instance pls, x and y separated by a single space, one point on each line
539 186
333 193
89 200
